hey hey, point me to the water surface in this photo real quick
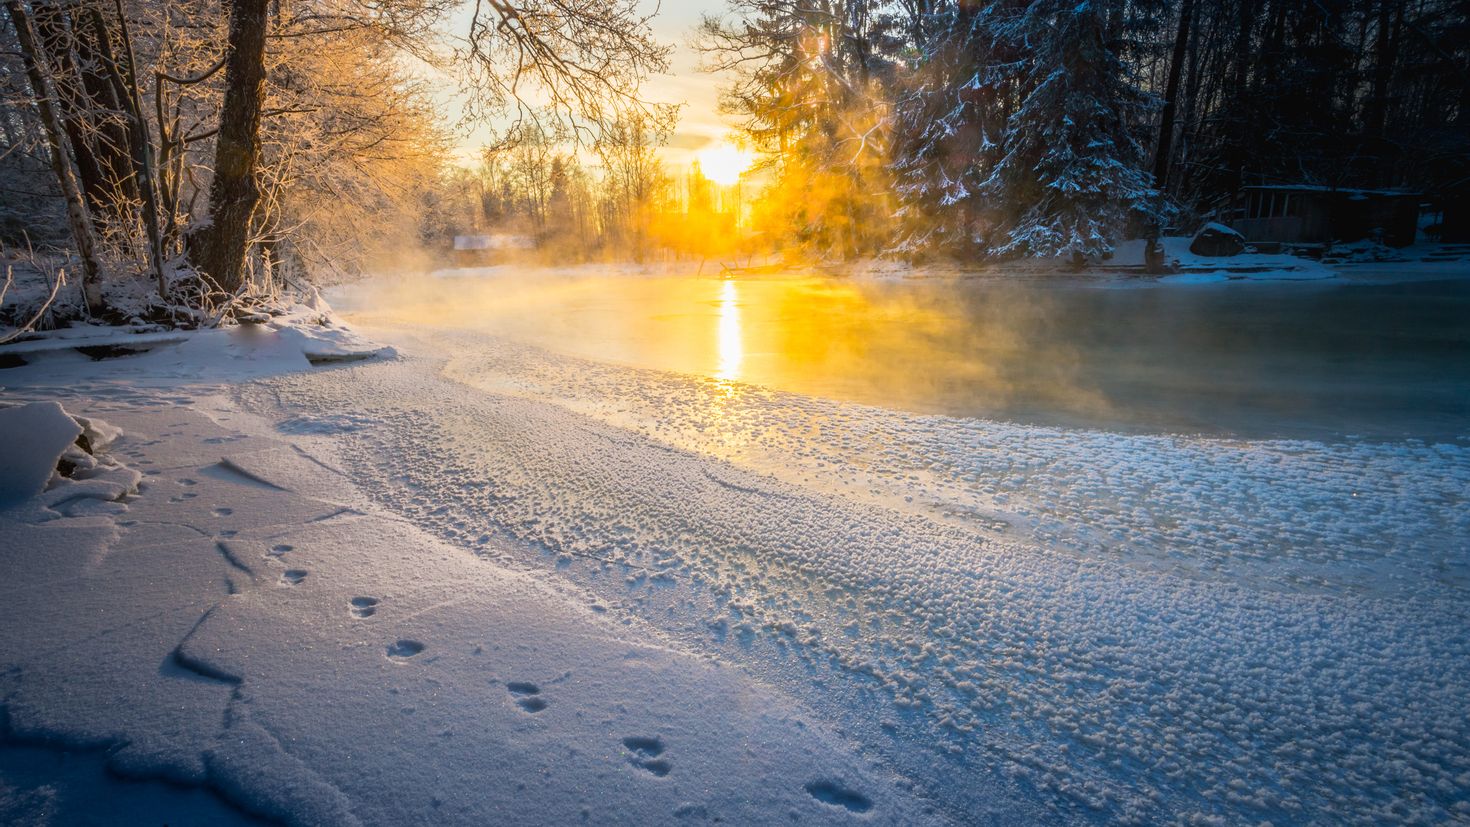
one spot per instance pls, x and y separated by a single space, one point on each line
1320 360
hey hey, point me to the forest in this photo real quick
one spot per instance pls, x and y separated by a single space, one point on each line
219 151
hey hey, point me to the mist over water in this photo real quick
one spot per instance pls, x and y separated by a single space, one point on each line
1378 361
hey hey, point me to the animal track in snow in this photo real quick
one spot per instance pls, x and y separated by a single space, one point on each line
646 752
281 549
364 606
404 649
223 512
834 794
293 576
527 696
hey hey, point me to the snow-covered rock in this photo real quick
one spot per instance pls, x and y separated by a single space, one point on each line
1217 240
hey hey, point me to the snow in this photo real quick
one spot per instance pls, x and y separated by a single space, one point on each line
1247 266
32 438
78 338
1206 600
248 623
691 598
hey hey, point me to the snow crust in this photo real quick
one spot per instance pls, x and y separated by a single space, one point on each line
248 623
698 600
1080 625
32 438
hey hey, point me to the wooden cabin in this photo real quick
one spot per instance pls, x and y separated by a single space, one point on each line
1304 214
484 250
1453 206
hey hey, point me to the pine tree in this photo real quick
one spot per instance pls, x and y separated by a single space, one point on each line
949 120
1072 174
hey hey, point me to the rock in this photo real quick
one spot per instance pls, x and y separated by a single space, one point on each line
1217 240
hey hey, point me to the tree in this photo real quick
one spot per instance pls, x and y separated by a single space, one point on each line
218 247
1070 177
634 181
43 91
812 82
951 116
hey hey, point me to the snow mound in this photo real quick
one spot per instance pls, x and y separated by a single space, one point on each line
1247 266
32 438
321 337
51 465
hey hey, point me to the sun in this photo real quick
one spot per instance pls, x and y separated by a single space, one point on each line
723 163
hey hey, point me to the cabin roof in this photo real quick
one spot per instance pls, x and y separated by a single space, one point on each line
1350 192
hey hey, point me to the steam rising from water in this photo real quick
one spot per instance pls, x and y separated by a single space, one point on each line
1252 361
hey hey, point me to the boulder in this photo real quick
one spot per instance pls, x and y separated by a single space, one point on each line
1217 240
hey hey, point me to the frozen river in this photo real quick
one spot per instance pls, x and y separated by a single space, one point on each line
1240 595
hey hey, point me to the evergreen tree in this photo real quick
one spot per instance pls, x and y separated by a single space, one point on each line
949 121
1071 176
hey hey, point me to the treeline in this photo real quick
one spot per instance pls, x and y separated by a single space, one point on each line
612 199
210 151
1057 127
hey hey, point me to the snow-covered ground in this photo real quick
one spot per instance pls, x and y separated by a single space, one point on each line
480 582
246 621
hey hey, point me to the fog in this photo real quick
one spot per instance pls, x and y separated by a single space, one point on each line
1263 360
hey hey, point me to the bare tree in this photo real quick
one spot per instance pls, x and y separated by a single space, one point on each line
584 59
44 93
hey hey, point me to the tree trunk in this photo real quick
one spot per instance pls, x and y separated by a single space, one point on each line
1376 120
1242 106
114 146
54 42
1171 98
37 72
218 248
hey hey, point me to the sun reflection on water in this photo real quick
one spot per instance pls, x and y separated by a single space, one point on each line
731 346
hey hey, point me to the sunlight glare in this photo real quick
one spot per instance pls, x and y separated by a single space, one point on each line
731 344
723 163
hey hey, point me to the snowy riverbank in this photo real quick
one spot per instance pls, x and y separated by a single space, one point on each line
484 582
247 622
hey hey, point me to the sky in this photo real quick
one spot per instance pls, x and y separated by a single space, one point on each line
700 126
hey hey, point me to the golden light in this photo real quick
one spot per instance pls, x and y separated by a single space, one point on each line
730 344
723 163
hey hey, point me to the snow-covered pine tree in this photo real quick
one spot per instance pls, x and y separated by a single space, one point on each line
948 121
1072 173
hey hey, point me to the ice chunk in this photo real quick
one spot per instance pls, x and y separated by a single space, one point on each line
32 438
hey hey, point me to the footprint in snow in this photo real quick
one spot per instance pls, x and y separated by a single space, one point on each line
364 606
646 751
404 649
293 576
528 696
834 794
277 551
223 512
